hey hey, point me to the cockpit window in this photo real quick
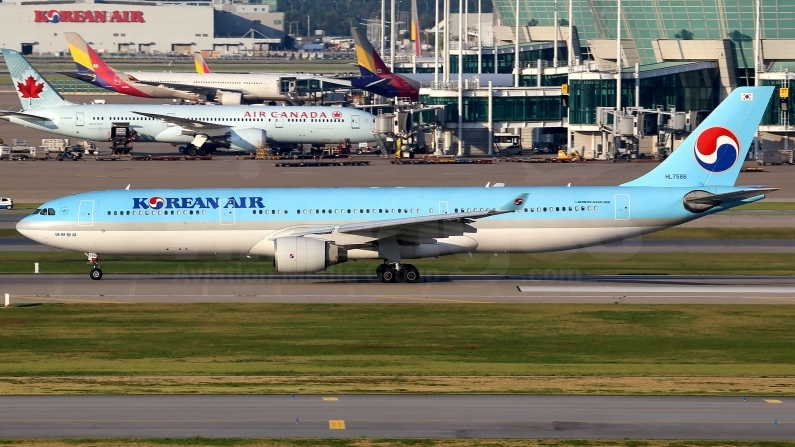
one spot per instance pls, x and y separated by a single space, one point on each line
50 211
37 211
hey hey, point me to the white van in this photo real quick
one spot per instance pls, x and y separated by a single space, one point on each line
6 203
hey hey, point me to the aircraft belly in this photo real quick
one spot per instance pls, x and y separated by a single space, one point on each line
540 240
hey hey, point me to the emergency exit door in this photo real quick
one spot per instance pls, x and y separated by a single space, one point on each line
354 121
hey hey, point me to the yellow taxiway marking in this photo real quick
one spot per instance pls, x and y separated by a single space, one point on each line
66 300
336 424
330 399
773 401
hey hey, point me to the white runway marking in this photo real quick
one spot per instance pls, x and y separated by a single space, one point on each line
646 288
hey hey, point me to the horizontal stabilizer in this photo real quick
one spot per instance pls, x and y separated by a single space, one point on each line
23 115
717 199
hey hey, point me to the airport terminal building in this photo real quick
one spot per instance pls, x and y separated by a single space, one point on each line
36 27
679 56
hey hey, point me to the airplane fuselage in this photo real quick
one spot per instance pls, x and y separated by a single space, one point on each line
297 125
247 221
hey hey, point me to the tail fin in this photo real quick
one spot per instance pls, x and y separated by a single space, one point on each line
34 91
88 61
714 152
201 66
370 63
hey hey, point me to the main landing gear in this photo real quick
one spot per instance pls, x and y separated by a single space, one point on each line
96 272
397 273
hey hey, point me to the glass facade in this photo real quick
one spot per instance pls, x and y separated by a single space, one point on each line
692 90
646 20
476 109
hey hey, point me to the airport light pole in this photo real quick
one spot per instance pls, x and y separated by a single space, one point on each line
460 79
616 121
516 49
757 64
383 27
436 48
392 34
555 41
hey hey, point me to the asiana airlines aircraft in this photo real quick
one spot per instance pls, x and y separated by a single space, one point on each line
203 128
306 230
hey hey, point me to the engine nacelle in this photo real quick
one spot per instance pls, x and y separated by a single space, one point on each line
246 138
228 98
305 255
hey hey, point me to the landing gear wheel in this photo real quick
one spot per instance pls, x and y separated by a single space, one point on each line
379 271
388 275
96 274
411 273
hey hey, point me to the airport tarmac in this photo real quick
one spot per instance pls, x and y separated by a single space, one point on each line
388 416
462 289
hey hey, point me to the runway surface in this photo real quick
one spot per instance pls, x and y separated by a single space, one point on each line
464 289
398 417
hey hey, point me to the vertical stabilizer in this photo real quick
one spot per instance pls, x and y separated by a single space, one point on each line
370 63
713 154
415 29
201 66
33 90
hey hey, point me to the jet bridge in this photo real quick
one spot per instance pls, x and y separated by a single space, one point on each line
410 128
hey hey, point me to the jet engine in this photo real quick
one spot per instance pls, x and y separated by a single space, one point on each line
305 255
228 98
246 138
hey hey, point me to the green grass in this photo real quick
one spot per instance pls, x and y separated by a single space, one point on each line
397 340
723 233
9 232
375 442
563 265
767 206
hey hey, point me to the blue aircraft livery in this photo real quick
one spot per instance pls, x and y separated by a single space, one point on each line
306 230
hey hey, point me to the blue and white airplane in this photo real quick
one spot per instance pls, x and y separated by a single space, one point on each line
203 128
306 230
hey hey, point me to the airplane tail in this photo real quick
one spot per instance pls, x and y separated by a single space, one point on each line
89 62
370 63
714 152
201 66
34 91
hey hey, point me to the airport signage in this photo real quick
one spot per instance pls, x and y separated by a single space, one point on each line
82 16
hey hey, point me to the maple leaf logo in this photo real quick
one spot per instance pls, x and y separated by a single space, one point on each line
30 89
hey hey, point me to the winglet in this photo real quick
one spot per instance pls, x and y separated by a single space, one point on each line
516 204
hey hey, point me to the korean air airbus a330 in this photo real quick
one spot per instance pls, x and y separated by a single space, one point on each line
308 229
202 127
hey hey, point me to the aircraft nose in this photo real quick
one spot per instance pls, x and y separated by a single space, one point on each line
26 226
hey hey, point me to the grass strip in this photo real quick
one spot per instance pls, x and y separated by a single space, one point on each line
366 442
767 206
551 265
350 385
382 340
375 442
723 233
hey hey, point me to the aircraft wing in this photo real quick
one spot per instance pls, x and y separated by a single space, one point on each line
343 82
413 228
198 89
23 115
184 122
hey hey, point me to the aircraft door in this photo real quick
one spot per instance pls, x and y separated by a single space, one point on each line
443 207
279 122
228 216
622 206
79 118
354 121
85 216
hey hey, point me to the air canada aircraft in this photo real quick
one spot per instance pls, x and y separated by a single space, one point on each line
223 88
203 128
306 230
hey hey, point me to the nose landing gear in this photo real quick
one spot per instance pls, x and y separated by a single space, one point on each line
96 272
397 273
